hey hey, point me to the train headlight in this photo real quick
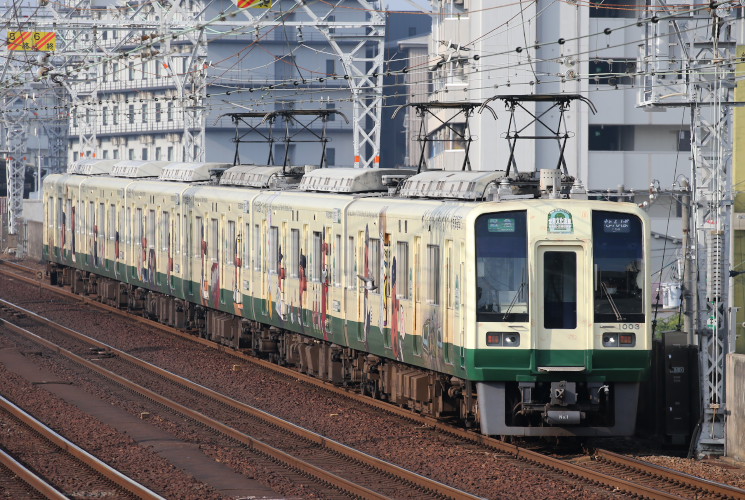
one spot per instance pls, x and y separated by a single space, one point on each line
618 339
503 339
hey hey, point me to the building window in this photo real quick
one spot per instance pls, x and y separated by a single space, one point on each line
131 154
158 111
158 153
330 156
330 67
144 113
131 113
115 154
612 71
158 70
332 19
169 111
131 70
144 70
412 30
614 8
611 137
105 116
105 154
115 115
684 140
170 153
332 116
144 154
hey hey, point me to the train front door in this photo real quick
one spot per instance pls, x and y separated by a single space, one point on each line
561 309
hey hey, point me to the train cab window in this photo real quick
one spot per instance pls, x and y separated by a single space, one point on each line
560 290
619 267
502 267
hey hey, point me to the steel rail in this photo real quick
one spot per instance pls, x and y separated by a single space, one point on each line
723 490
470 435
83 456
323 475
30 478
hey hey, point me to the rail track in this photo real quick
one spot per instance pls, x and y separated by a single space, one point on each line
593 469
32 443
347 470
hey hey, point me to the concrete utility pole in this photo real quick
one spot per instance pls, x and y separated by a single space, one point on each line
688 60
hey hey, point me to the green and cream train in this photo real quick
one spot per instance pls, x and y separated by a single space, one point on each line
519 305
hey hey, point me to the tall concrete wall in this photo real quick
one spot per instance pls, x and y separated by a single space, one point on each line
735 433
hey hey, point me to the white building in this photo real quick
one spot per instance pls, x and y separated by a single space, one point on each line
482 49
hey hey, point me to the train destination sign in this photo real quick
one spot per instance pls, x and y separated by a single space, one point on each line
501 225
617 225
560 222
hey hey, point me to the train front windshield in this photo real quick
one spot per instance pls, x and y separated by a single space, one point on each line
619 267
502 267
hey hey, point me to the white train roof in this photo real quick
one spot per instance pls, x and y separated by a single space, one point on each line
461 185
190 172
138 168
260 176
92 166
349 180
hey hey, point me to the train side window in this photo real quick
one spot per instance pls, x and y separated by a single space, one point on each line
337 261
151 229
257 247
139 225
351 264
273 255
128 229
165 223
213 247
247 246
294 263
232 247
177 234
402 270
101 229
91 217
198 237
317 258
374 270
112 222
433 267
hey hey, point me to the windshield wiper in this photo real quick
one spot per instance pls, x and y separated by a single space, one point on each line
514 301
611 301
